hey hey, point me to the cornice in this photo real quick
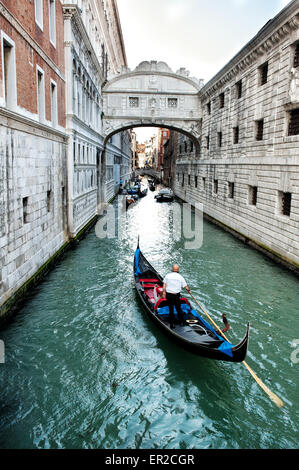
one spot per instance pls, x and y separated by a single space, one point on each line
22 123
35 46
273 33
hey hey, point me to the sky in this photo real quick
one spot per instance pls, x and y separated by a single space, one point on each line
200 35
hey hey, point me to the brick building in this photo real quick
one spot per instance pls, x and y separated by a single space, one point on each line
32 139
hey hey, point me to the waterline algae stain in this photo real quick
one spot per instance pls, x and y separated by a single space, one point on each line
85 368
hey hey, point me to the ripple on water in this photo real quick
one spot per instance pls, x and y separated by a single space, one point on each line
86 369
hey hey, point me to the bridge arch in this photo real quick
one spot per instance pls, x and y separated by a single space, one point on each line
154 96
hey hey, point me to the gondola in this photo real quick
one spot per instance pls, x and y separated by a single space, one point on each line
196 335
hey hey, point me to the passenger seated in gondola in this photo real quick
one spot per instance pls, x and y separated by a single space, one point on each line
158 293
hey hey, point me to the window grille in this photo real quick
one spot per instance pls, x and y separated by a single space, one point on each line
231 190
252 195
236 135
264 73
296 56
172 102
239 89
221 100
260 129
294 122
133 102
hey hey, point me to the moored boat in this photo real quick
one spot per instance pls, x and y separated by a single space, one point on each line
196 335
165 195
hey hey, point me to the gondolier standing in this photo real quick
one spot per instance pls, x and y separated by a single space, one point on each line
172 285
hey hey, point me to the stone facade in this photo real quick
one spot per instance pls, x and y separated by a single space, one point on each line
247 173
32 140
93 49
56 167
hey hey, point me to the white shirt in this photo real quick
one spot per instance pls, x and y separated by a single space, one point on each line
174 283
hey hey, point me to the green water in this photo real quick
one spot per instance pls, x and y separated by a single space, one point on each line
85 367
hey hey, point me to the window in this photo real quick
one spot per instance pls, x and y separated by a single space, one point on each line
221 100
231 190
183 178
203 183
215 187
294 122
53 104
38 4
296 55
263 73
259 135
40 95
49 200
191 146
133 102
52 22
252 195
209 107
236 135
185 146
9 72
219 139
285 203
195 181
207 141
189 180
239 90
172 102
25 210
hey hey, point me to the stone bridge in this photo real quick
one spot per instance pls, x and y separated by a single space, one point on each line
152 95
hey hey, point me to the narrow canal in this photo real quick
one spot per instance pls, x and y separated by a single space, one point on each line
85 368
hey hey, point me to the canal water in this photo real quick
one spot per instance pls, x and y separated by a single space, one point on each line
85 367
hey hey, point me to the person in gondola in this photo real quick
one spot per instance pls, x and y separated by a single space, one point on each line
172 285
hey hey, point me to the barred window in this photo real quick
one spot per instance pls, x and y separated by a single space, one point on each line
285 203
208 141
296 56
252 195
133 102
263 73
259 135
231 190
219 139
239 90
172 102
236 135
294 122
25 210
221 100
215 187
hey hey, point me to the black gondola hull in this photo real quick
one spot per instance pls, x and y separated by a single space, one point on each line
238 352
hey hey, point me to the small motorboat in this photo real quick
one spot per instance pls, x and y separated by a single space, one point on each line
165 195
196 335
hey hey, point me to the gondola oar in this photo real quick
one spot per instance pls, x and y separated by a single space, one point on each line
278 402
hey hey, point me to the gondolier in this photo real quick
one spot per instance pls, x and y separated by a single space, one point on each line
172 285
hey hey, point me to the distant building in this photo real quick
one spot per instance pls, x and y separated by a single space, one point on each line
163 136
